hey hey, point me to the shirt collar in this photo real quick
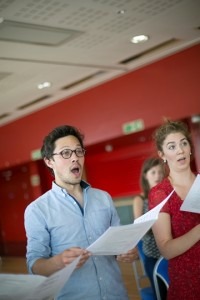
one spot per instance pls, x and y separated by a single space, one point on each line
57 188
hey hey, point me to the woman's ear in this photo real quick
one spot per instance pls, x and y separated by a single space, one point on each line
161 155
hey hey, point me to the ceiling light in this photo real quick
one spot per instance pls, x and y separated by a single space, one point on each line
44 85
139 39
121 12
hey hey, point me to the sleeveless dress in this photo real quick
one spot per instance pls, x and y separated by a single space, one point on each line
184 270
149 246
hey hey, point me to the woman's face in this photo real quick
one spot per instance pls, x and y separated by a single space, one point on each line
154 175
176 151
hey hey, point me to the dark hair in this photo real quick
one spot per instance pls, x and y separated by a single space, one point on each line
147 165
59 132
171 127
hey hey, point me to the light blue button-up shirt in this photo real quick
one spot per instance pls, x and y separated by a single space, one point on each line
54 222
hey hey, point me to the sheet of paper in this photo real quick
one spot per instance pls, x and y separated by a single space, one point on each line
192 200
26 287
54 283
153 213
119 239
13 285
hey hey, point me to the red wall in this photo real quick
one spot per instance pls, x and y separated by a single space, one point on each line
169 87
19 187
15 194
195 130
118 171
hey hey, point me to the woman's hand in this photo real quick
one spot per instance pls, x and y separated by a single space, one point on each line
128 257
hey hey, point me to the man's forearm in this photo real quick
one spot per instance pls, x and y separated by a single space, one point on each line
47 266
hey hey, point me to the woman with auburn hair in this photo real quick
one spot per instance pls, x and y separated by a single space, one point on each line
177 232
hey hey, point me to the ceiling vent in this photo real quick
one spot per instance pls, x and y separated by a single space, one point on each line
35 34
83 80
149 51
5 115
33 102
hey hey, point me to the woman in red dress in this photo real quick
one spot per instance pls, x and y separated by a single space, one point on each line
177 232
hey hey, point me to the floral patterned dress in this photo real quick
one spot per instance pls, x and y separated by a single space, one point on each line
184 270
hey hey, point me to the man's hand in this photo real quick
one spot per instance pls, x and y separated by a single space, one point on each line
69 255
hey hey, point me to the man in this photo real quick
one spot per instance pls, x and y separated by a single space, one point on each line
64 221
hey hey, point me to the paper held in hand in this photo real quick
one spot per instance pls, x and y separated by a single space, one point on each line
32 287
119 239
192 200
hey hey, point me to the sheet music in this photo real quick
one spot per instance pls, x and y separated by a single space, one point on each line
153 213
192 200
26 286
119 239
13 285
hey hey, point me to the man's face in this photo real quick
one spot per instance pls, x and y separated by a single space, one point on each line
70 170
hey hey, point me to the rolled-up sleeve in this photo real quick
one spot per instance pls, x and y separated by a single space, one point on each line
38 237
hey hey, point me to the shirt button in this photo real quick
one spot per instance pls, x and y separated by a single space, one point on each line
100 278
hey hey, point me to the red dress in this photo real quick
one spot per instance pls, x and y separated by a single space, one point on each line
184 270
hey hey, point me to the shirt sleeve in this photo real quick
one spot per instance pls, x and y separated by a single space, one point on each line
38 237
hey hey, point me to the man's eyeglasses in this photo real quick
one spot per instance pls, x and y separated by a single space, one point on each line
67 153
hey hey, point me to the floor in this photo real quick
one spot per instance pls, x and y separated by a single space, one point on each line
129 280
17 265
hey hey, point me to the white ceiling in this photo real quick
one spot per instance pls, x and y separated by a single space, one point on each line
81 43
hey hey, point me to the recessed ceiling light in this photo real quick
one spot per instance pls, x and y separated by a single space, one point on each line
139 39
44 85
121 12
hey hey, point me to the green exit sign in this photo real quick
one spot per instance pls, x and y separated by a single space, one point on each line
133 126
36 154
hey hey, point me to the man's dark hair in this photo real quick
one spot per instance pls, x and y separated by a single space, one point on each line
59 132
